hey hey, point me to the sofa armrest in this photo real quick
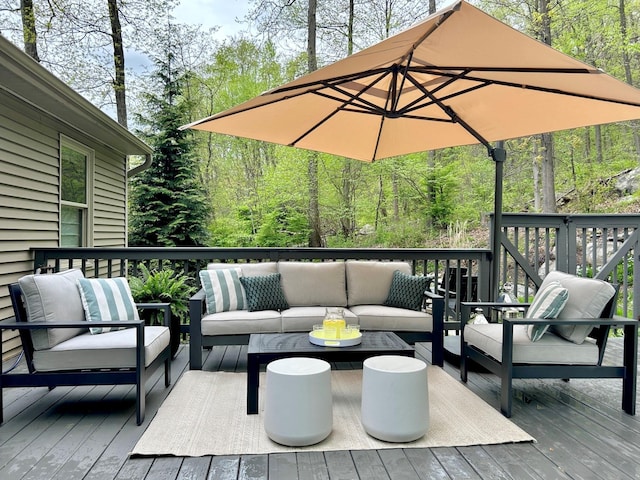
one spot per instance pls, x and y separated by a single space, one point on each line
197 308
467 307
437 335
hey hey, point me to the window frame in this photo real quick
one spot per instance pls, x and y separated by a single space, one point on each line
87 207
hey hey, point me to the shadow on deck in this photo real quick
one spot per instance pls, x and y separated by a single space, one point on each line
87 433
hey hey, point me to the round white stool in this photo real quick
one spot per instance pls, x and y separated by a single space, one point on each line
395 398
298 403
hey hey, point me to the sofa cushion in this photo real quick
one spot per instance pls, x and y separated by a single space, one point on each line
223 289
380 317
549 349
314 283
107 300
548 303
264 292
302 319
587 299
368 282
241 322
248 269
53 298
406 291
116 349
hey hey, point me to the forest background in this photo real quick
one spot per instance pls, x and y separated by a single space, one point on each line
209 189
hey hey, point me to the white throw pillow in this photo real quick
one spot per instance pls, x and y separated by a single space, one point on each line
107 300
223 290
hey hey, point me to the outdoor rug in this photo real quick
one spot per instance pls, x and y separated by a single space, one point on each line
205 414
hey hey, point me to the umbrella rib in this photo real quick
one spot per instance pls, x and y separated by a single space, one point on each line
352 98
486 82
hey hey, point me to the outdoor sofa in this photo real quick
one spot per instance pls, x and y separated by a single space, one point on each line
292 296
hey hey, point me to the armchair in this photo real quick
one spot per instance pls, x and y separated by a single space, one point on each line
119 351
569 343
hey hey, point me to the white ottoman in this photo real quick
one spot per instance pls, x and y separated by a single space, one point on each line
395 398
298 403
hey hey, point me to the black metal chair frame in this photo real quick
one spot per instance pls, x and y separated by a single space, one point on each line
507 370
133 376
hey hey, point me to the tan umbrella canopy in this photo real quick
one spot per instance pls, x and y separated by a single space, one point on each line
459 77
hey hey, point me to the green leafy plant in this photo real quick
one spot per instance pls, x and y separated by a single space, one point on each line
162 286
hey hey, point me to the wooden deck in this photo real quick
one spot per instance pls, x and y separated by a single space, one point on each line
86 433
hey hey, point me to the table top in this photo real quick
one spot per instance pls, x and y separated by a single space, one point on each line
299 343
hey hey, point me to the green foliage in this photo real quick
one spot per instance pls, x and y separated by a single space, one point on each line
167 205
162 286
283 227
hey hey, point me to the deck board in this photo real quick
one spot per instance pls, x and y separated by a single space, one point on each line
87 433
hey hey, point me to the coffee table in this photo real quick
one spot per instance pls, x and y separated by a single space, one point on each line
266 347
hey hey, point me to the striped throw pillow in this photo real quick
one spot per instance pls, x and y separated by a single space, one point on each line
223 290
548 303
107 300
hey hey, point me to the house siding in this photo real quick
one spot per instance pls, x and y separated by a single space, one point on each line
29 194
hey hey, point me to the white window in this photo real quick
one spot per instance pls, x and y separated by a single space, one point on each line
76 185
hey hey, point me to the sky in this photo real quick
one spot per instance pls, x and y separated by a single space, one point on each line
213 13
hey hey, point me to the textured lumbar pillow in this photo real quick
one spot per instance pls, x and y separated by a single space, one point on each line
223 290
547 304
264 292
406 291
107 300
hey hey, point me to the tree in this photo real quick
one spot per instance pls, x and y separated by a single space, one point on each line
118 61
167 206
29 32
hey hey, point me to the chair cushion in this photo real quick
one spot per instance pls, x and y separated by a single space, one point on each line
314 283
302 319
587 299
53 298
550 349
107 300
223 290
406 291
264 292
381 317
368 282
116 349
548 303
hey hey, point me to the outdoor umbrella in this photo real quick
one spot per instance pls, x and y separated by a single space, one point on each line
459 77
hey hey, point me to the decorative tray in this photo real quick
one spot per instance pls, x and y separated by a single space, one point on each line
317 338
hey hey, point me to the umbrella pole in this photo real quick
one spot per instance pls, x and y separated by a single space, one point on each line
499 155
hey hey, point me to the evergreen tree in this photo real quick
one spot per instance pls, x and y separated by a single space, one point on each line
168 206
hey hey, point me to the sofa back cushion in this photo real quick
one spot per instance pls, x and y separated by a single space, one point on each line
53 298
368 282
248 269
587 298
307 284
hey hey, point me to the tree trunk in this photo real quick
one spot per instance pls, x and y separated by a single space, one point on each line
537 203
118 60
598 141
315 237
548 175
627 69
548 170
29 29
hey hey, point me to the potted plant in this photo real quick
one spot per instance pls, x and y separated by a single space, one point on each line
163 286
